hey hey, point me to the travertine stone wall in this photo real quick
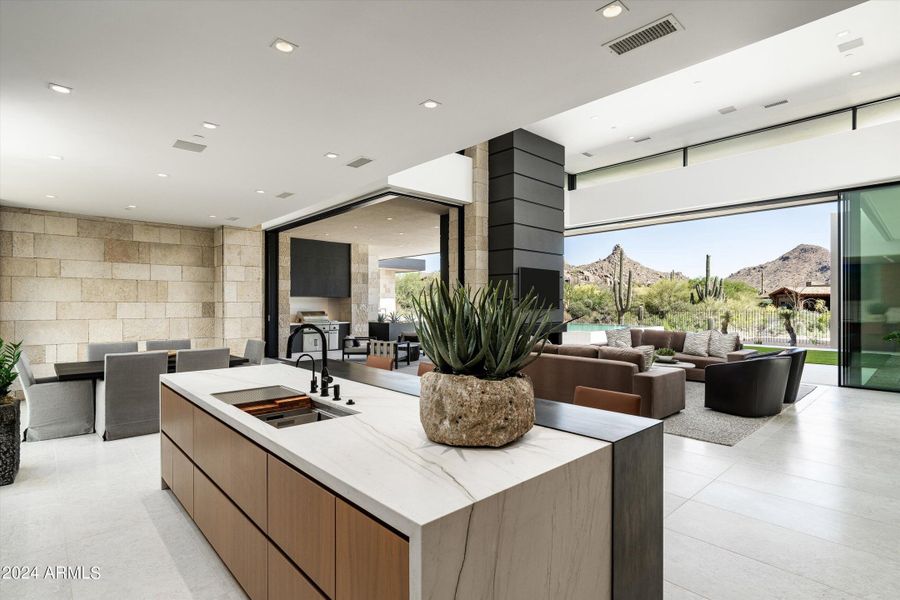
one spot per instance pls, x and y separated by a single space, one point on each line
360 306
476 220
67 280
242 286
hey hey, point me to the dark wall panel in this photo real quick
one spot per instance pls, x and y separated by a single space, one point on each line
520 187
523 237
531 143
529 165
320 269
506 212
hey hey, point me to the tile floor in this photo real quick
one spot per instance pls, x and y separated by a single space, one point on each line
806 507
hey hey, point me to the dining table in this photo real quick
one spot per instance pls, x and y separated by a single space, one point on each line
93 369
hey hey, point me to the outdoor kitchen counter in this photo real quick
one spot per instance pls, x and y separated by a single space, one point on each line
530 520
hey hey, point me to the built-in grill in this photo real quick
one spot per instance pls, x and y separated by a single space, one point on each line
311 340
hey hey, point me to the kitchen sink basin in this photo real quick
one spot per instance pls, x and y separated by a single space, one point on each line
281 406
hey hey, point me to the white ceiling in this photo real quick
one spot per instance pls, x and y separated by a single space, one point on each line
146 73
395 228
803 66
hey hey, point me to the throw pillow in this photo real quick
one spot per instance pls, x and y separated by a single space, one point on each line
648 353
720 344
619 338
696 344
629 355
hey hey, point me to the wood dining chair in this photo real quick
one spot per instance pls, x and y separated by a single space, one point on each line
629 404
425 367
380 362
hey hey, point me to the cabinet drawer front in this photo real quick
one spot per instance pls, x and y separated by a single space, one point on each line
372 562
286 582
176 419
235 539
236 464
166 454
301 522
183 479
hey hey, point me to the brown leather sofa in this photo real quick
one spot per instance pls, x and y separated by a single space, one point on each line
675 340
560 369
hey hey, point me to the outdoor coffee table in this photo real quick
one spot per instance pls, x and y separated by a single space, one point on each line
675 365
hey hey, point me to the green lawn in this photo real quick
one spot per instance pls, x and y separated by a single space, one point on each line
813 357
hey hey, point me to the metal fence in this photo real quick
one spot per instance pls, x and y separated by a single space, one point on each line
755 326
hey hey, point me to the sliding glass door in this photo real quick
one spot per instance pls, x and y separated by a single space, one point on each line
871 288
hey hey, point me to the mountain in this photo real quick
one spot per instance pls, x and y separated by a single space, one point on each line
602 271
792 269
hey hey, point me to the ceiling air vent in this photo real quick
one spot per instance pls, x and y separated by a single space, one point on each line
727 109
644 35
776 103
232 218
588 154
643 139
359 162
847 46
284 195
189 146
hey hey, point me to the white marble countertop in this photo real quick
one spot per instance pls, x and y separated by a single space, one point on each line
380 458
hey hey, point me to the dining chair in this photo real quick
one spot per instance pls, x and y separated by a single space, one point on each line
55 409
380 362
201 360
128 395
168 344
629 404
97 351
255 351
425 367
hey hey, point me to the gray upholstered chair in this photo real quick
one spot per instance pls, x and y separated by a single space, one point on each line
98 351
168 344
55 409
255 351
201 360
128 396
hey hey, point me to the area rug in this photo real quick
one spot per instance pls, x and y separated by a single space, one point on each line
701 423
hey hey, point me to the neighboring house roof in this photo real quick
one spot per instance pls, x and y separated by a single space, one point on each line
805 291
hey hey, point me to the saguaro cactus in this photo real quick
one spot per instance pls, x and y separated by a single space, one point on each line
622 294
762 283
712 288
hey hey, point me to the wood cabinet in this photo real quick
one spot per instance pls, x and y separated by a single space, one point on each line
176 419
301 522
240 545
286 582
183 479
371 561
166 453
236 464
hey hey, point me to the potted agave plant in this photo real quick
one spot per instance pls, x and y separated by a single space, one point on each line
479 343
9 413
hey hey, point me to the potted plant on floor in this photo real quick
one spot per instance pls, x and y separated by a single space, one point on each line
479 343
9 413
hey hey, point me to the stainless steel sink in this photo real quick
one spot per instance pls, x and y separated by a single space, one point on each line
318 411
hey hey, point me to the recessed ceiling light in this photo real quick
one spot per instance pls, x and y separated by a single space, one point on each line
260 191
54 157
209 125
355 227
630 137
59 89
698 82
400 233
212 216
130 207
283 45
855 73
331 155
611 11
843 33
162 174
430 103
595 118
390 218
613 127
437 227
49 196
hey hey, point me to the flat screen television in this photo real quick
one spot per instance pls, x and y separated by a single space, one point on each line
544 282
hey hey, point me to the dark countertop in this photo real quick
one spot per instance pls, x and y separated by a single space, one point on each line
580 420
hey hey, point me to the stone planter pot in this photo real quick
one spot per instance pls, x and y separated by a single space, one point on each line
460 410
10 438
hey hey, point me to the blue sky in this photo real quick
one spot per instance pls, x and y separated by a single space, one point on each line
734 242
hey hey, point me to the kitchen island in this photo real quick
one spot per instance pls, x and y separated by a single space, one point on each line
364 506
